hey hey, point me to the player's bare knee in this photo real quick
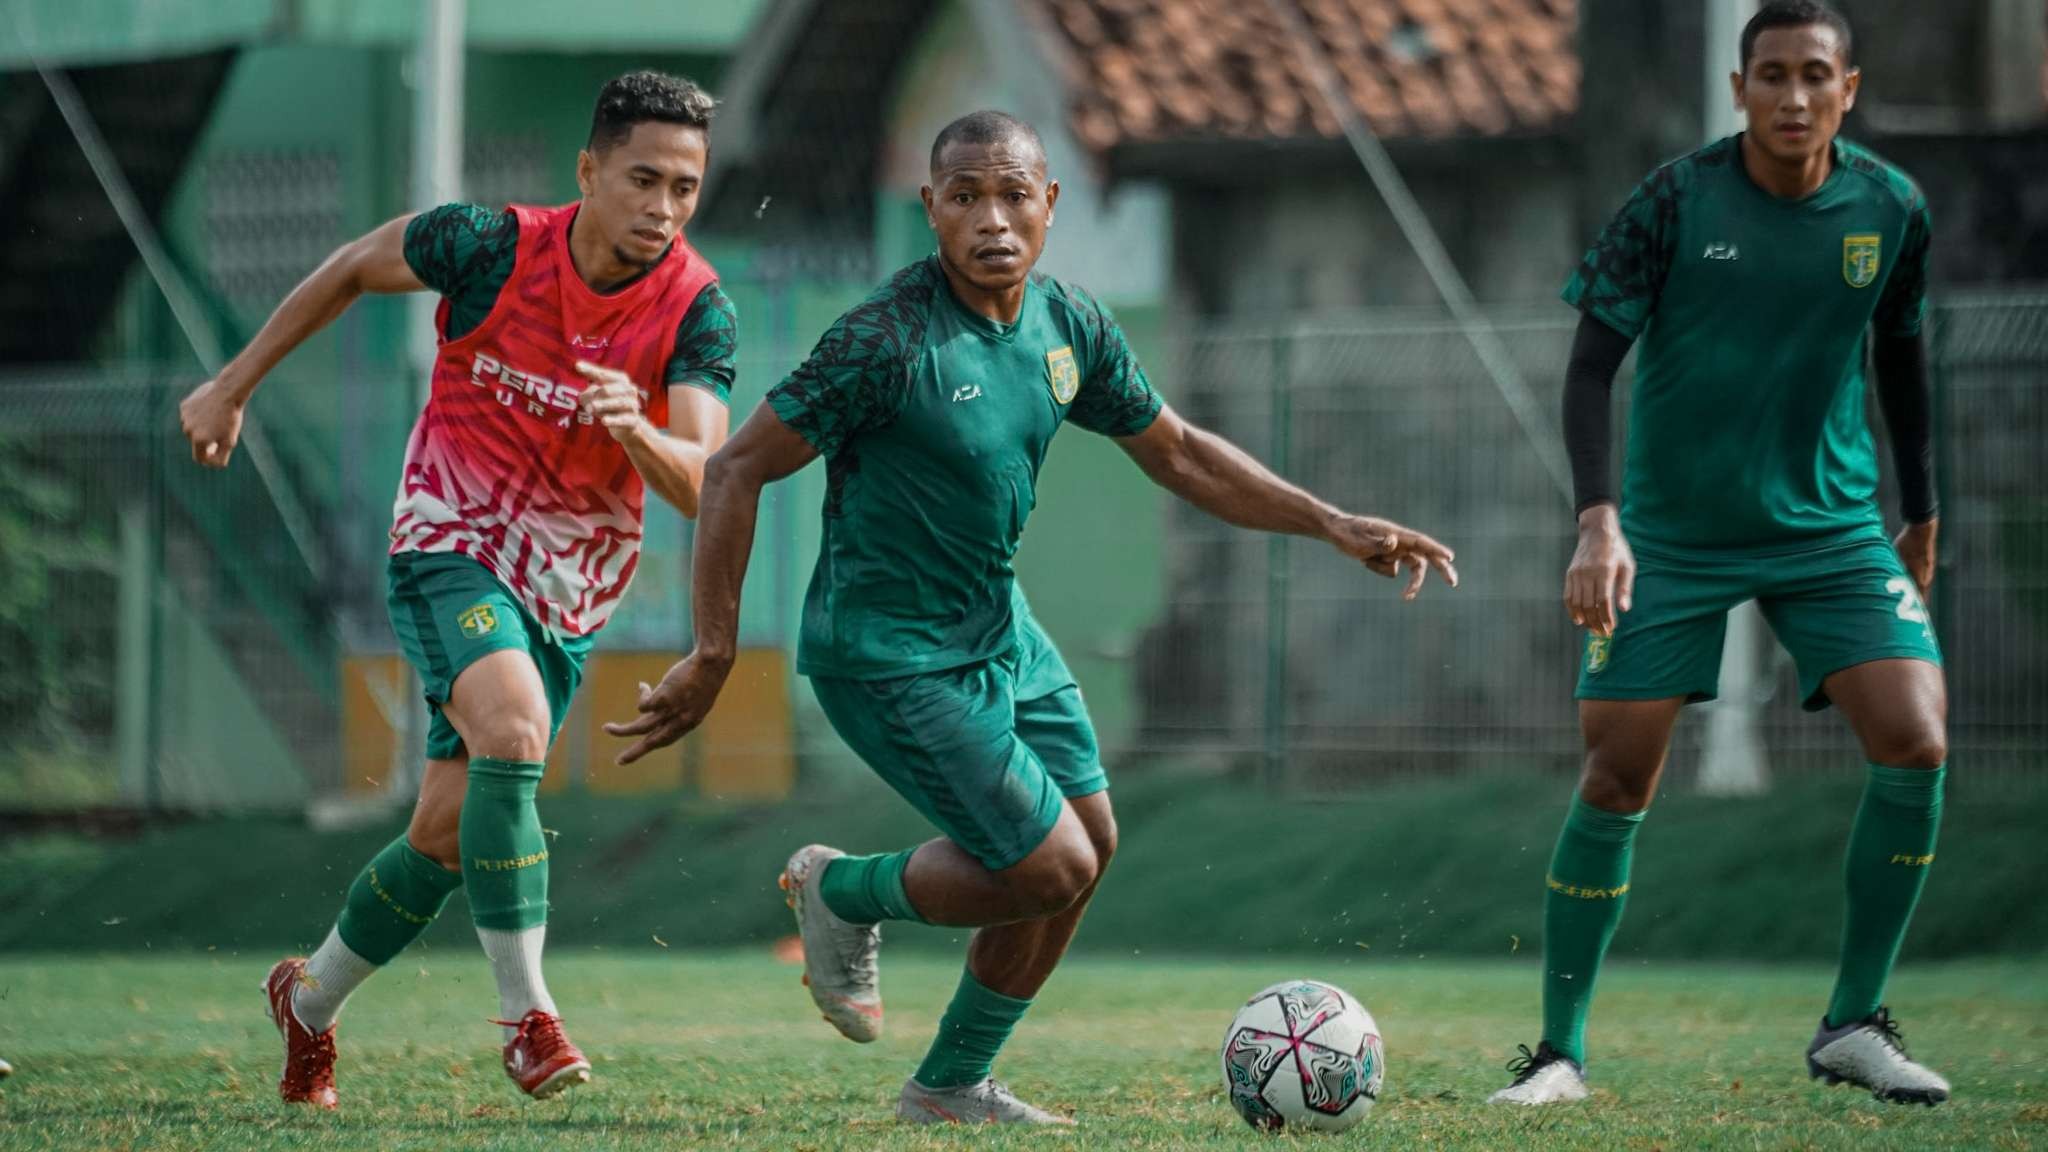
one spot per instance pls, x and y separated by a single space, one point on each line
1614 784
1102 837
436 834
1910 748
1054 875
511 736
1098 822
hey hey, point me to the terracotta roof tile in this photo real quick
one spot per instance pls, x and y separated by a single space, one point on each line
1156 70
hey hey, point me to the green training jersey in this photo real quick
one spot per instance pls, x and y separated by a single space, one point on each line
1747 429
933 422
466 252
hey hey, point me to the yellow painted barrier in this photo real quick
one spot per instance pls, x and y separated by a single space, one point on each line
746 750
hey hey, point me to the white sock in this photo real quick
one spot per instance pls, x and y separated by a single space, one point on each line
331 974
515 961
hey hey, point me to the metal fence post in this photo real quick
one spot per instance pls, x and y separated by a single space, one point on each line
156 436
1280 419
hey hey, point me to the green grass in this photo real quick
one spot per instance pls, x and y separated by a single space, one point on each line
723 1051
1421 869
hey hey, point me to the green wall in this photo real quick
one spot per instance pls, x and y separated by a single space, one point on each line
91 31
1091 560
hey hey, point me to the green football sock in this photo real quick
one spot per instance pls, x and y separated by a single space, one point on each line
970 1034
397 894
504 851
1890 849
1587 889
868 889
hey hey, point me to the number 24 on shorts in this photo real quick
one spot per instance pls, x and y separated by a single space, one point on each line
1911 608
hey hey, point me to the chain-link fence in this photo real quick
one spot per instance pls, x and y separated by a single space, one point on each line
1284 654
168 645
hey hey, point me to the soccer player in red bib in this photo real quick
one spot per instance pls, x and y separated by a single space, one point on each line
586 354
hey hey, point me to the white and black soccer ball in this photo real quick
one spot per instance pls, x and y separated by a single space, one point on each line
1304 1055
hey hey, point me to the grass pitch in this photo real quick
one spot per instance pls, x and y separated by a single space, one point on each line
724 1051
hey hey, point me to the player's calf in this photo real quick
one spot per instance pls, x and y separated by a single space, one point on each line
1871 1054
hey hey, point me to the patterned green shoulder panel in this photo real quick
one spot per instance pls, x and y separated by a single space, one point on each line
707 344
1115 398
1903 306
466 253
1888 176
1621 276
858 376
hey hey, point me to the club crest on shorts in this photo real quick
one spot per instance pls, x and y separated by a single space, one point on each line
1860 258
1597 650
478 620
1062 374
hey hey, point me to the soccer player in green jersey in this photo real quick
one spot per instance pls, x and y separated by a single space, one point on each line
1754 271
933 404
516 528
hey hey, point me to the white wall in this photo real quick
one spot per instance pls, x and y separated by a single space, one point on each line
978 54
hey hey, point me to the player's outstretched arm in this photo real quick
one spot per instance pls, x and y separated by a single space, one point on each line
212 415
671 462
1221 479
763 451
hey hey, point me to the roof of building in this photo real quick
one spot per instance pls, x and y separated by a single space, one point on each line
1160 71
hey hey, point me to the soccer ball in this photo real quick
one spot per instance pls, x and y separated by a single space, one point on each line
1303 1055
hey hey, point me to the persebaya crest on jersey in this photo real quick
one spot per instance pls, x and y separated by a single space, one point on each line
1061 373
1860 258
1597 650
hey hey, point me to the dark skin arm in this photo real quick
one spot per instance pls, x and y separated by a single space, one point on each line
763 451
1221 479
1200 467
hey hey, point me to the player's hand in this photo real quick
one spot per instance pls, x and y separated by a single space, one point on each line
612 398
1916 550
1386 547
673 708
1601 583
211 417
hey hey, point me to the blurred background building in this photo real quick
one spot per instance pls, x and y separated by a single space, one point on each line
174 639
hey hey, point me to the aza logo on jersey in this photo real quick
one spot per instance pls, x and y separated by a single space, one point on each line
1860 252
1062 374
1721 250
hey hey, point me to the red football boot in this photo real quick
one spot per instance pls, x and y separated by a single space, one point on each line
308 1076
540 1058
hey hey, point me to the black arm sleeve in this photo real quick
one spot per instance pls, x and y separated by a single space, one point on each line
1902 394
1597 353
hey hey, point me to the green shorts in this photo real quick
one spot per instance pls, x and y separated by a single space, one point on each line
985 751
1832 607
449 612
